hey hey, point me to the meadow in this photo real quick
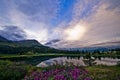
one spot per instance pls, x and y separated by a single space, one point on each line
22 71
22 67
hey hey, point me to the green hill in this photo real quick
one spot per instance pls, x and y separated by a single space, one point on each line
23 46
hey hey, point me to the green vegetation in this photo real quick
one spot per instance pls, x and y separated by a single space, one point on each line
18 71
23 47
13 71
104 72
34 58
18 60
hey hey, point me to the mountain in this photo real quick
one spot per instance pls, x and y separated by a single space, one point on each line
23 46
27 43
105 46
2 39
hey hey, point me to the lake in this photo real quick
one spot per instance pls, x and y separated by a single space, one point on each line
51 60
78 61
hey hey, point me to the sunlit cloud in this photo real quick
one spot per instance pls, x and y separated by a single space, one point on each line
41 36
75 23
75 33
102 25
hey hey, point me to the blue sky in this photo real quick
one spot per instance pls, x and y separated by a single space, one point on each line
67 22
65 12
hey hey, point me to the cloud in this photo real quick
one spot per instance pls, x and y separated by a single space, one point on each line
102 24
13 33
84 8
47 20
41 36
113 3
42 10
32 16
52 42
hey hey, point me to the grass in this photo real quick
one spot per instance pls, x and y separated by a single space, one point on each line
102 72
12 71
40 54
20 65
9 56
18 70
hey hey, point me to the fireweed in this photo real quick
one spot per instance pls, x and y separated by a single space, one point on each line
64 73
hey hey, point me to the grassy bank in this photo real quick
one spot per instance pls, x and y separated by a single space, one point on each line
34 59
104 72
56 54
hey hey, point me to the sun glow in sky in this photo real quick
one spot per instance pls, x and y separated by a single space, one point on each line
61 23
75 33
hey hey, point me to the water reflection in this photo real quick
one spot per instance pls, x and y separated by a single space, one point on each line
62 61
107 61
78 61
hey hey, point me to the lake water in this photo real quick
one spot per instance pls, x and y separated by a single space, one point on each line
62 61
107 61
78 61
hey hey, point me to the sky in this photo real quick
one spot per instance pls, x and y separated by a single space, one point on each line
61 23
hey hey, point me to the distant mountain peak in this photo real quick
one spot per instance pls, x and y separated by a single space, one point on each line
2 39
28 43
22 46
25 43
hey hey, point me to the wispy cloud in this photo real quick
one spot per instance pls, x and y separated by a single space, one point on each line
101 22
12 33
32 16
42 10
87 21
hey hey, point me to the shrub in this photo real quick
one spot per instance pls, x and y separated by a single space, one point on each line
12 71
118 63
